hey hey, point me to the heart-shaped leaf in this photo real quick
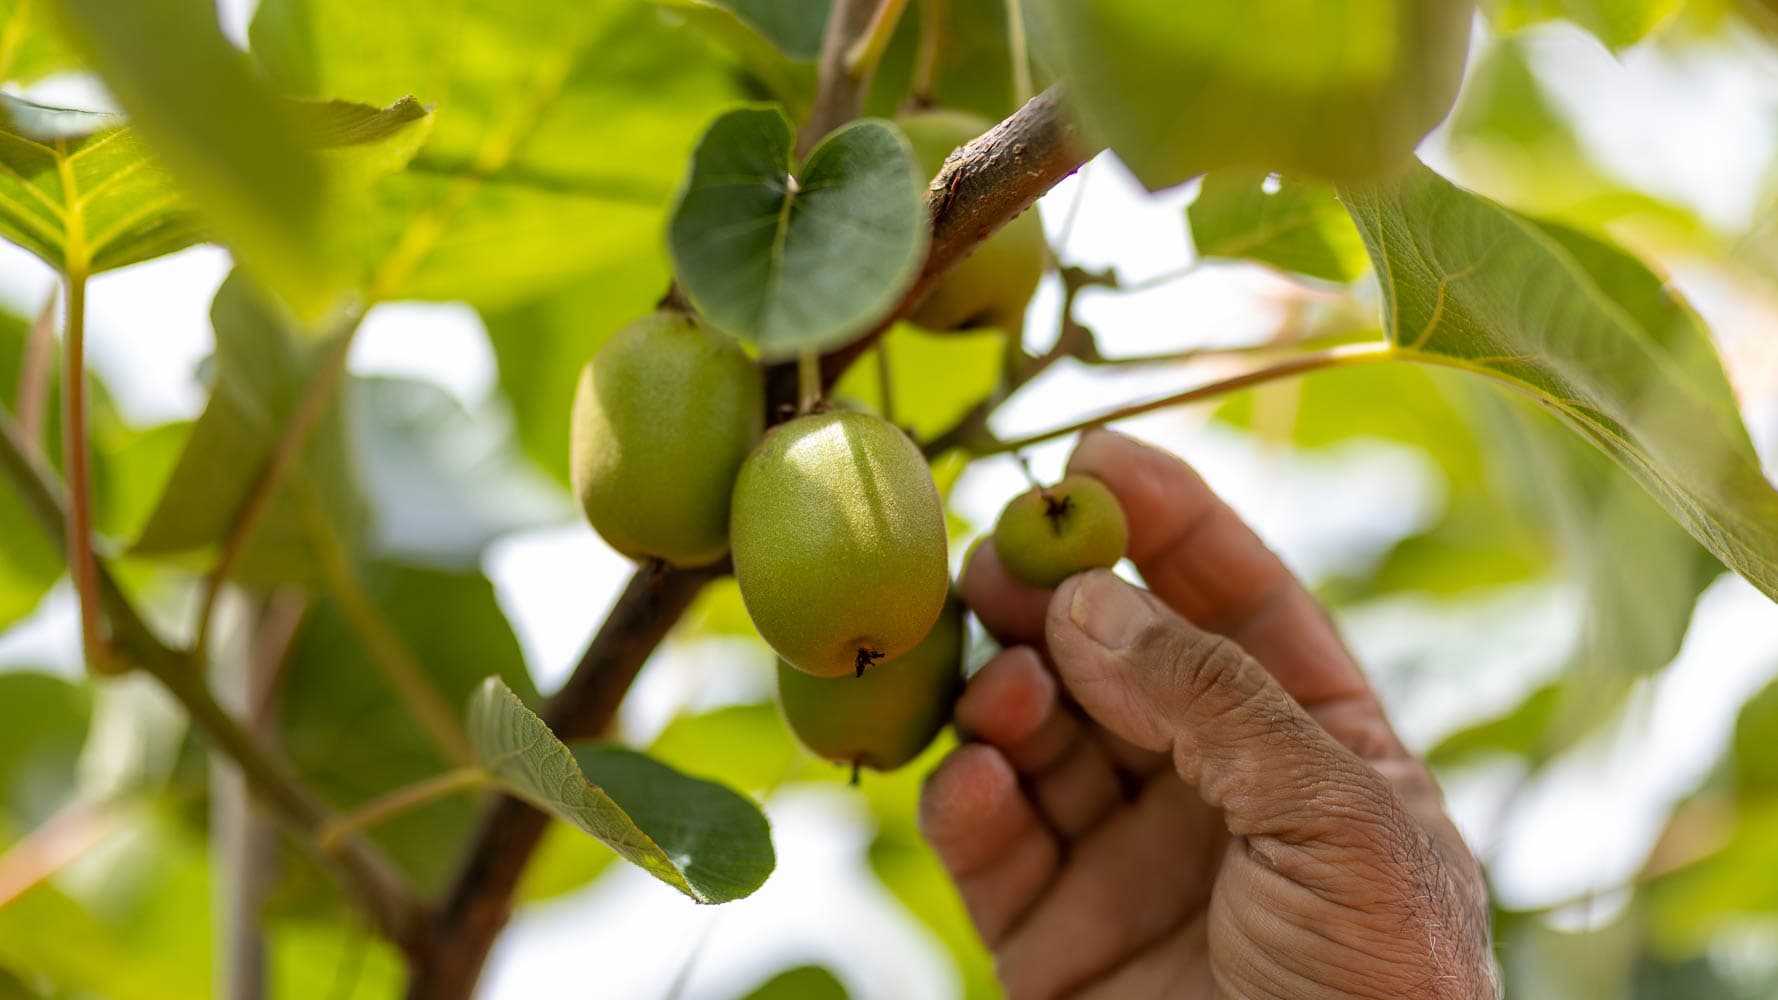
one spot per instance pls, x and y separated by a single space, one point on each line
798 261
1294 225
697 836
1588 332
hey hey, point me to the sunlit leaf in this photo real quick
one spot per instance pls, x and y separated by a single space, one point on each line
697 836
1617 23
772 39
517 192
1292 225
541 345
1338 90
805 982
1588 333
83 191
797 258
934 378
231 145
261 370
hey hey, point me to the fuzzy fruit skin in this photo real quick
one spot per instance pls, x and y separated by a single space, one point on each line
664 415
839 542
992 286
887 717
1089 532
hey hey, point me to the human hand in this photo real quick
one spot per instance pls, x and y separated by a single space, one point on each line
1191 790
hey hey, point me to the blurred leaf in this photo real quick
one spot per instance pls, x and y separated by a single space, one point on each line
335 961
83 192
804 262
1523 731
934 378
261 371
139 928
974 65
29 46
1684 908
349 735
1587 332
548 162
1617 23
1296 226
14 988
540 347
805 982
43 722
443 483
697 836
1339 90
706 743
1754 756
232 146
771 38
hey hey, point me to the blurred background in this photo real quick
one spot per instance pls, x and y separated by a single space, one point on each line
1597 696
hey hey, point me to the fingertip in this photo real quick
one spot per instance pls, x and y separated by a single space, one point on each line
963 796
1011 610
1008 699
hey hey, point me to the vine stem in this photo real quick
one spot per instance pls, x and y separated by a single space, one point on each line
1336 357
404 799
864 54
35 369
82 565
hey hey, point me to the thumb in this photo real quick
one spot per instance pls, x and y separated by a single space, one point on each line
1153 678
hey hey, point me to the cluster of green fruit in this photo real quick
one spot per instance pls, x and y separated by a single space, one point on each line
834 525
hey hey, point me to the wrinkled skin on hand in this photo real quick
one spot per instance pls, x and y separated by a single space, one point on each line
1191 790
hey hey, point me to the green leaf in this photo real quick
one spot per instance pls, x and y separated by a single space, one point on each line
696 836
43 722
805 982
541 345
1617 23
804 262
934 378
350 736
232 146
1295 226
1339 90
1587 332
83 192
516 193
29 46
261 370
771 39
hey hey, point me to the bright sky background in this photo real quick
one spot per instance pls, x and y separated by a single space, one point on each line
1699 128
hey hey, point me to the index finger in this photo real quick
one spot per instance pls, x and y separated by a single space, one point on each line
1198 556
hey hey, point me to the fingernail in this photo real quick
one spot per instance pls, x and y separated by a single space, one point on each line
1109 610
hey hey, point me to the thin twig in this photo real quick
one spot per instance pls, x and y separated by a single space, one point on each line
316 395
361 868
838 92
926 57
1352 354
404 799
867 51
1019 50
35 369
73 830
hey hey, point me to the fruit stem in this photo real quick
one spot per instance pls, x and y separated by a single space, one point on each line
932 39
82 565
1019 49
885 382
855 766
808 382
